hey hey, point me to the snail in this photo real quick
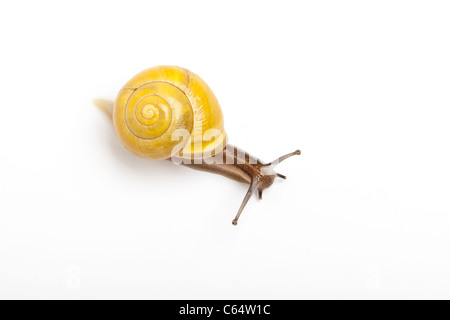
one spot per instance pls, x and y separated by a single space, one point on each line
168 112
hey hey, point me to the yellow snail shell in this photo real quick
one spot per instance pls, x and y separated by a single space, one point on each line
160 100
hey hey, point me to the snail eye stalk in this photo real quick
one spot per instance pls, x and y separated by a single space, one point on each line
262 181
244 202
282 158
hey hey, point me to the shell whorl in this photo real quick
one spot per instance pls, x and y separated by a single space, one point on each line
160 100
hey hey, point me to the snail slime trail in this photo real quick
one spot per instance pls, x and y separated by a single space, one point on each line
158 103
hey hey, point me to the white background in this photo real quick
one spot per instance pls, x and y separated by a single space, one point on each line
361 87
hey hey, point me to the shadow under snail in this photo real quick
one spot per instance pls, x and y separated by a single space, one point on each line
162 104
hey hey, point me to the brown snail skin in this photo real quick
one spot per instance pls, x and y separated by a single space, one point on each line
245 168
158 103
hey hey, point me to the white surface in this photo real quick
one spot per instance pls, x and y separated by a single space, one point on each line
362 88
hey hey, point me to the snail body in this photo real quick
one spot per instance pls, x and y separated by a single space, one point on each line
168 112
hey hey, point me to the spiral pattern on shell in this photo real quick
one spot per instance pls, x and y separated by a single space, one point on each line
160 100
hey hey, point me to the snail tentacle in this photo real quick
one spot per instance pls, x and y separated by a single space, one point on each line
262 177
247 197
281 176
282 158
